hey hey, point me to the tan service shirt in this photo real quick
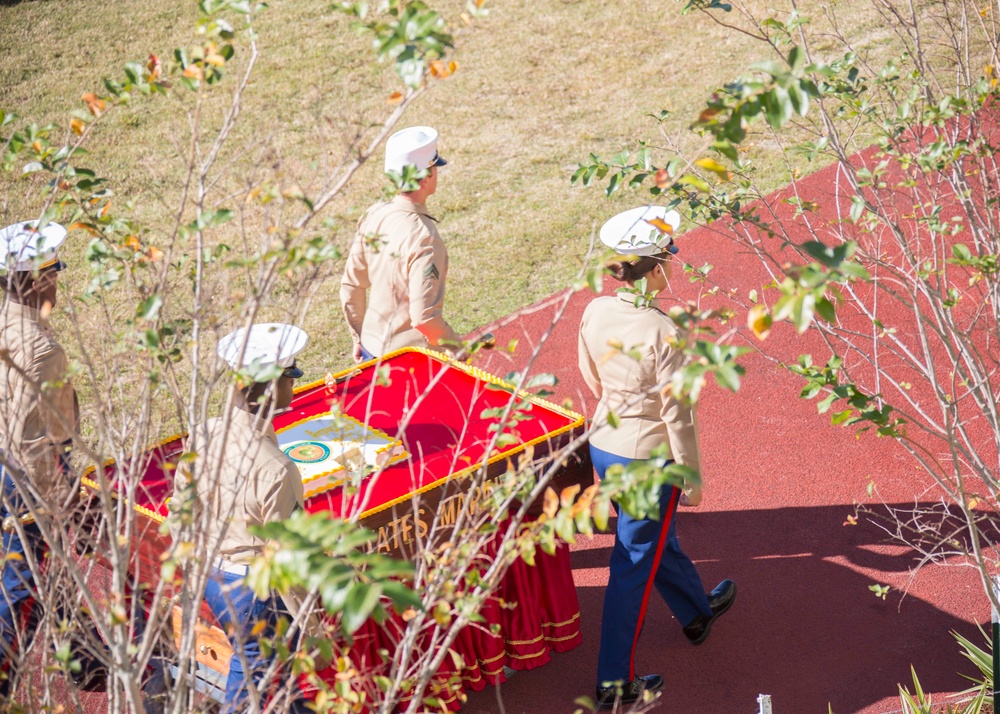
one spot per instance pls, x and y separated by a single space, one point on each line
39 411
242 479
634 389
399 258
255 483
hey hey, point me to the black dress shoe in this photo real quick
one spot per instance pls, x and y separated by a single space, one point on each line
720 600
629 692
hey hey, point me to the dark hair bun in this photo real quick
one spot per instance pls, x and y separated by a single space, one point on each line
629 271
621 270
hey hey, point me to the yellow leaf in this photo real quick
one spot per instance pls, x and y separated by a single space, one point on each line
154 254
215 60
77 125
452 67
132 242
973 502
258 627
712 165
346 676
85 227
442 613
550 503
95 105
568 494
193 71
759 320
708 114
851 521
601 514
586 498
985 11
439 69
661 225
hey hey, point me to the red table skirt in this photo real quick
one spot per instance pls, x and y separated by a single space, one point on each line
536 609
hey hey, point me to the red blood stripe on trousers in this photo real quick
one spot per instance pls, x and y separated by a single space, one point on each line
668 517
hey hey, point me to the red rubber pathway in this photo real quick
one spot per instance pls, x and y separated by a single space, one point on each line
780 481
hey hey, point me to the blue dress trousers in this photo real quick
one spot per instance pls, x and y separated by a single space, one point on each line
646 554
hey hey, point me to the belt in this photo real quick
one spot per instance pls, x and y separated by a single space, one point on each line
232 568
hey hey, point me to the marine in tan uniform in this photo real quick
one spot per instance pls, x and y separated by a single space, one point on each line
39 417
242 478
626 358
393 286
39 413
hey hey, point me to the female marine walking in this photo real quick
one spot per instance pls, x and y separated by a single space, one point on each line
627 359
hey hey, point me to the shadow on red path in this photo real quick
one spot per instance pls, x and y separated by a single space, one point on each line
805 628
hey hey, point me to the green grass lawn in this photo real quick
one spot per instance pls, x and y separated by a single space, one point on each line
539 86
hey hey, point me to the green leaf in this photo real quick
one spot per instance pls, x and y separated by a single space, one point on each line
771 67
840 417
644 159
881 591
799 99
727 149
542 380
777 106
826 310
595 281
726 376
211 219
797 59
857 207
613 184
149 308
359 605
